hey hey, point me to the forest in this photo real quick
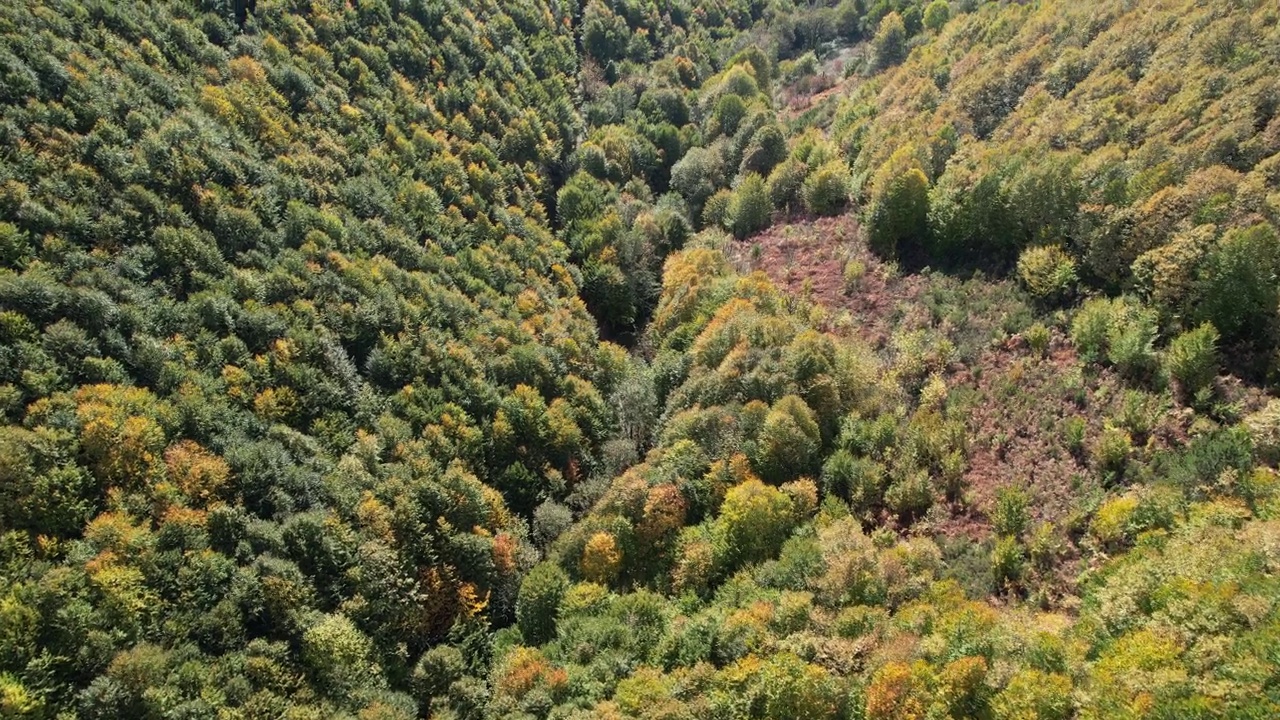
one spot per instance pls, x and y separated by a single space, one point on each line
640 359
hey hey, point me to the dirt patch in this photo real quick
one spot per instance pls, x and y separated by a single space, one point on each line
1017 405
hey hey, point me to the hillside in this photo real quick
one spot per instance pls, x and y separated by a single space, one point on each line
629 359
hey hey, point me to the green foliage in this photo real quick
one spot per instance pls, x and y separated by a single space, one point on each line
936 15
1009 517
1119 331
890 43
785 184
1048 273
1238 290
1192 359
899 215
826 189
789 441
749 208
1038 337
540 594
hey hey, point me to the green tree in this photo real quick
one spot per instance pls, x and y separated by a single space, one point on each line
789 441
889 47
754 521
1239 286
1192 359
749 208
899 215
826 190
936 15
766 149
340 656
540 594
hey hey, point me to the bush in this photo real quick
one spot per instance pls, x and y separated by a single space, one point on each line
1264 430
1131 342
1048 273
1192 359
1009 517
911 496
1073 431
1121 331
1007 561
1117 521
1037 337
1111 454
826 191
1089 329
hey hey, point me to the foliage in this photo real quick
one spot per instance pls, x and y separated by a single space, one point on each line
1048 273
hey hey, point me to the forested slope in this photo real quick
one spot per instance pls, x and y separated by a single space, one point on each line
393 359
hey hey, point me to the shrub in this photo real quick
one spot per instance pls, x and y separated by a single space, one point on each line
1111 454
1073 430
854 271
1112 523
911 496
1121 331
1192 359
1089 329
1009 517
1048 273
1037 337
1007 562
826 190
1131 341
1264 430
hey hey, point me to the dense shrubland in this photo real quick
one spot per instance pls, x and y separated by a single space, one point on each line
397 359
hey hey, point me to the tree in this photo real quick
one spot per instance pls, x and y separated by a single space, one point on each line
826 190
749 208
1239 286
340 656
936 15
899 215
890 43
785 184
538 602
789 441
764 151
754 521
1192 359
601 559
